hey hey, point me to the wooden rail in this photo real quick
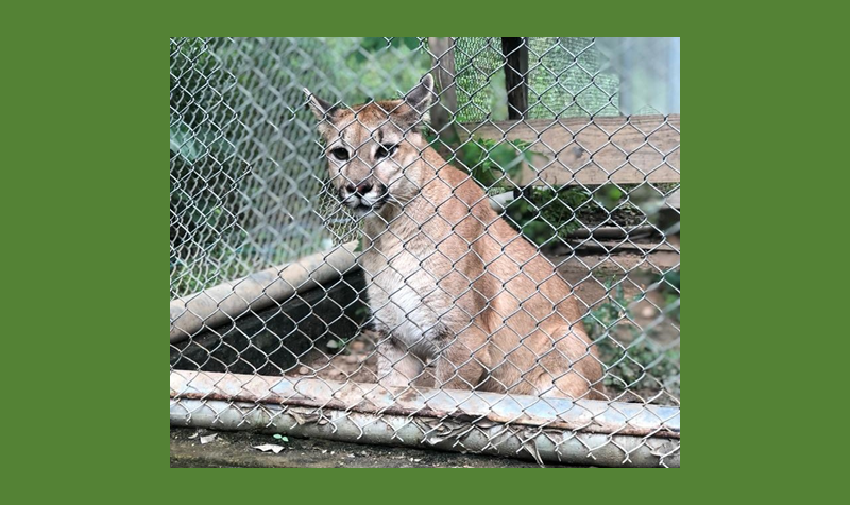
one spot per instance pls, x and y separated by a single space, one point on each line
607 149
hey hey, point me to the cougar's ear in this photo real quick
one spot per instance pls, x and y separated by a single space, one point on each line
421 96
321 109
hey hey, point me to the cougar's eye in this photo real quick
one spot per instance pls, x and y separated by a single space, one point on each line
385 151
339 153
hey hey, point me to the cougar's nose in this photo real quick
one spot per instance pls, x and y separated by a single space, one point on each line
361 189
364 188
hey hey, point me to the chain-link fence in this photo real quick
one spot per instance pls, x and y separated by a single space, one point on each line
467 243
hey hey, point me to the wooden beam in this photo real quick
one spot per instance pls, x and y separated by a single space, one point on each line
580 151
443 60
515 50
673 199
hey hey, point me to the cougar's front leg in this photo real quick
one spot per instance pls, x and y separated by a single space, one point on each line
430 344
428 331
397 367
464 361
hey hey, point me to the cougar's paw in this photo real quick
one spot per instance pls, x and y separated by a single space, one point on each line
431 346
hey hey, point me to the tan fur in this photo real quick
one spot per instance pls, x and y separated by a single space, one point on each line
450 282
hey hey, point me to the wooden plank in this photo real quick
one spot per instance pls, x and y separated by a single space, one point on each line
443 60
580 151
673 199
613 247
588 267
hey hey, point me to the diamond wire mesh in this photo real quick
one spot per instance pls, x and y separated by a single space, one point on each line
250 189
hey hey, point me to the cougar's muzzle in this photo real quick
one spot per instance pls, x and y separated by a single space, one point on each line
368 196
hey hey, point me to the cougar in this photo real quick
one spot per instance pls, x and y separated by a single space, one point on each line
450 284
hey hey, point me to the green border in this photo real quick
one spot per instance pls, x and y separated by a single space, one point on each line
86 210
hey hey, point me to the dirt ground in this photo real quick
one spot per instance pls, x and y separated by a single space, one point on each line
232 449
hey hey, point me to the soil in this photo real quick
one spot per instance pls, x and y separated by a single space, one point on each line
232 449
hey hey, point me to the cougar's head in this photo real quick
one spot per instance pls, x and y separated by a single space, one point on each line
374 149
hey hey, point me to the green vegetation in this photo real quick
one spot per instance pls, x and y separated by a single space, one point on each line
545 214
632 358
669 287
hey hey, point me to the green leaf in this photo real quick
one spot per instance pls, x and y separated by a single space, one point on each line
539 231
411 42
672 278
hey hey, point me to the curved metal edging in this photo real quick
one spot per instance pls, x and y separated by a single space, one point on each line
530 442
216 305
552 429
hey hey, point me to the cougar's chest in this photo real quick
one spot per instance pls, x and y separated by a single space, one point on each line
398 283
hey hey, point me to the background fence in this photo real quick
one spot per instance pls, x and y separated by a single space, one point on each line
575 139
